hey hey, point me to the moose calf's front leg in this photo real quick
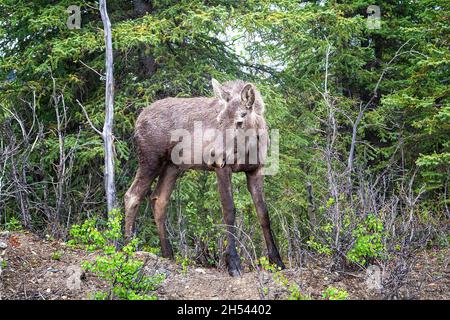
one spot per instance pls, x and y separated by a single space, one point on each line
226 196
255 184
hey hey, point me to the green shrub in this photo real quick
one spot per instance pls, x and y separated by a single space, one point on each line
87 234
13 224
332 293
318 247
150 249
57 255
124 273
368 241
278 277
185 262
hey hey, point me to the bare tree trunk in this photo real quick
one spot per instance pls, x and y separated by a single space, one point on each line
22 196
61 121
18 174
110 187
311 208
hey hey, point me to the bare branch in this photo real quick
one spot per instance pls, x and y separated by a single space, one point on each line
89 119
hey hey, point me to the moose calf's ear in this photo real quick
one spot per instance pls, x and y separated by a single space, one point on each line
248 95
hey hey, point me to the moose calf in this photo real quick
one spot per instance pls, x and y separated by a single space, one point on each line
236 109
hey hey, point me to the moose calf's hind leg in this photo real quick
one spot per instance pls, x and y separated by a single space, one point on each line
133 198
160 199
226 195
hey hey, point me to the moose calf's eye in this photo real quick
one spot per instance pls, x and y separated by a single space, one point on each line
243 114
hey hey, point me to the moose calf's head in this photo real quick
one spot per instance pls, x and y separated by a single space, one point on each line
243 105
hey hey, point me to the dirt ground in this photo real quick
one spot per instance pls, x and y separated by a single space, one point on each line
36 268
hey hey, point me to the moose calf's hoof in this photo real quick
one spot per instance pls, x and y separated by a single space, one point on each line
233 264
281 265
168 255
234 272
274 258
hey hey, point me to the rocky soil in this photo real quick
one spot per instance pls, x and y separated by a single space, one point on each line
36 268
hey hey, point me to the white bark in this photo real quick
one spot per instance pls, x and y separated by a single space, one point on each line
110 188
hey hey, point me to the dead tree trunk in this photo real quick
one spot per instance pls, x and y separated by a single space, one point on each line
311 209
110 188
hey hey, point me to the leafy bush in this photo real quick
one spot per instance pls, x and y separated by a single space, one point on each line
318 247
368 241
184 262
124 274
332 293
278 277
13 224
57 255
87 234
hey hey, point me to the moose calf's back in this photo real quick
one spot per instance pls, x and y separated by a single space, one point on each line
156 122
